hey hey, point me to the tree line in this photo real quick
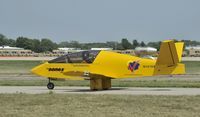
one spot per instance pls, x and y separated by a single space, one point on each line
45 45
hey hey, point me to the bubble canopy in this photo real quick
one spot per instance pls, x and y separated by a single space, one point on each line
77 57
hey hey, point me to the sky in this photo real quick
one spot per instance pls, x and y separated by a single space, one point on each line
101 20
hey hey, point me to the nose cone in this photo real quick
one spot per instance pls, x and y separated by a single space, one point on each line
35 70
38 70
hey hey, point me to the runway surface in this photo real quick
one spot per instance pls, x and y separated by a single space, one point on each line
86 90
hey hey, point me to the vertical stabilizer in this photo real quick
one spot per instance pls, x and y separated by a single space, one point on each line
170 53
169 58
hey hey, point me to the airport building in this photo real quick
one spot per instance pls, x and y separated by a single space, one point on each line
14 51
101 48
62 51
193 51
129 51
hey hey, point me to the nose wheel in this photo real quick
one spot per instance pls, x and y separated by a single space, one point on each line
50 85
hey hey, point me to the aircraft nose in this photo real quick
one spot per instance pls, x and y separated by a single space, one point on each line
38 69
34 70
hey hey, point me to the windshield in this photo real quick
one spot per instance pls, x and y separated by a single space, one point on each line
78 57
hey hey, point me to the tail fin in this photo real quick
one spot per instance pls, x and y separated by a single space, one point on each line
170 53
169 58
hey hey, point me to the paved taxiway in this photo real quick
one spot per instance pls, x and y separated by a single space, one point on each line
114 90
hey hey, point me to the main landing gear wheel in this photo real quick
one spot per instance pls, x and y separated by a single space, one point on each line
50 85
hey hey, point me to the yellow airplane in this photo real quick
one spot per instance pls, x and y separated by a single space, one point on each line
101 66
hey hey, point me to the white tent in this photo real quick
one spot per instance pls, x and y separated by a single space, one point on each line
147 49
10 48
101 48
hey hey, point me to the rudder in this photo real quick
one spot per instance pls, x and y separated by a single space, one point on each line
170 53
179 49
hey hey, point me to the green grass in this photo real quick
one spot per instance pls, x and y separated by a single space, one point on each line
79 105
17 66
192 67
42 83
115 83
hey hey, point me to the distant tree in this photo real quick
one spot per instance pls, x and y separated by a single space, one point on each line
126 44
135 44
2 40
43 45
119 46
2 36
97 45
155 44
64 44
24 42
71 44
11 42
84 46
47 45
36 46
142 44
75 44
190 43
112 44
20 42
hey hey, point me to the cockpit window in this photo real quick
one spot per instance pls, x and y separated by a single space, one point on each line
62 59
75 57
78 57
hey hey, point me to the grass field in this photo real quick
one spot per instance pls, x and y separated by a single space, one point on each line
79 105
17 66
192 67
74 105
115 83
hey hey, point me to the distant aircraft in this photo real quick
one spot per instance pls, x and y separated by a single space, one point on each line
101 66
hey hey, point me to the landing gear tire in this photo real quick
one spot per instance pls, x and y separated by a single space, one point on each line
50 85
